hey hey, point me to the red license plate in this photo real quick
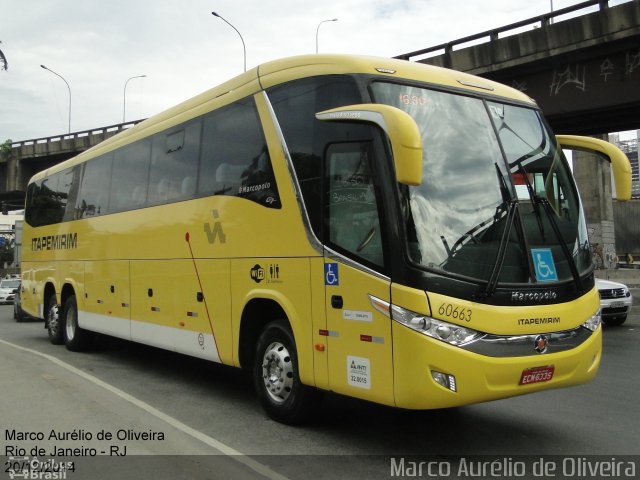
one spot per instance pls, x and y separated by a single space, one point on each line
537 375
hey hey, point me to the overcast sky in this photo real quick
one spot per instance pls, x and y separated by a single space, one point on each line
96 45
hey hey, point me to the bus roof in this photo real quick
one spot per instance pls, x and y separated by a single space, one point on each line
287 69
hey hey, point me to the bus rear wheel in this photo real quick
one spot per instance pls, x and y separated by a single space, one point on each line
52 319
276 377
18 314
75 338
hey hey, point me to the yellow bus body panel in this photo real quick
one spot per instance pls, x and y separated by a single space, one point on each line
286 282
479 378
359 341
514 320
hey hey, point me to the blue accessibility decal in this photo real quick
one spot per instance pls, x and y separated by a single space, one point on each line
544 265
331 274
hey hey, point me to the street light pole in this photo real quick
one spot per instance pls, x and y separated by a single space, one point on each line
68 87
318 29
241 39
124 96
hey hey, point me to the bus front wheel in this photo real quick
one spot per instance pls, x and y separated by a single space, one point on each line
75 338
276 376
54 327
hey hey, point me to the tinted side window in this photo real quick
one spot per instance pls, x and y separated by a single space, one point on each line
295 105
49 202
174 164
235 160
70 184
94 192
129 177
31 213
352 211
52 199
44 205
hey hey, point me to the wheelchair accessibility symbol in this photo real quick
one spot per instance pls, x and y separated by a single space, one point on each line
544 265
331 274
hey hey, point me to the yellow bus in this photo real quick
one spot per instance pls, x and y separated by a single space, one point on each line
386 230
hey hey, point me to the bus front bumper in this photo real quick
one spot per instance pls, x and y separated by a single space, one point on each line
431 374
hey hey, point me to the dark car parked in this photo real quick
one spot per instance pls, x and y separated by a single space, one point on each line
18 314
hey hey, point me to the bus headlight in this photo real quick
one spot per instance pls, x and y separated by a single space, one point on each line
443 331
594 322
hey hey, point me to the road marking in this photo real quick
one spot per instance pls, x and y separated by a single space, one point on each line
206 439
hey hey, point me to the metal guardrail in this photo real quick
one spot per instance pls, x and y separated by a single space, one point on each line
494 34
75 135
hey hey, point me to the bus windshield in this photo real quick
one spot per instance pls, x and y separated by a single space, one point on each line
497 202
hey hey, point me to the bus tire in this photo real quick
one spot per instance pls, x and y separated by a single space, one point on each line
276 376
53 321
18 314
76 339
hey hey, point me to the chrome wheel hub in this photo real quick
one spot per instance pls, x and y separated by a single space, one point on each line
277 372
70 325
54 319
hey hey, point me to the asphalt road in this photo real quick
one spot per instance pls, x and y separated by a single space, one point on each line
180 417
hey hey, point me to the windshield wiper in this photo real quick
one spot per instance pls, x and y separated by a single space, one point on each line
506 198
538 200
563 245
512 209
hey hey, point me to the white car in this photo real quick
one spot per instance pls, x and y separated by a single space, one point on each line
615 301
8 287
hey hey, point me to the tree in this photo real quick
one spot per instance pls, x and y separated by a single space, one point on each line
5 148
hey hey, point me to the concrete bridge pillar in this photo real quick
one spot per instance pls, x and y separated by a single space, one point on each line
593 176
12 172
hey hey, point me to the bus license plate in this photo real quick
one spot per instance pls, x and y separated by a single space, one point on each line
537 375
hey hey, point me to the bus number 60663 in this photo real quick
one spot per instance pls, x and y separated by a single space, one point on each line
454 311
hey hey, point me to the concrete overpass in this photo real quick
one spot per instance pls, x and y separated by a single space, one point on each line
584 72
28 157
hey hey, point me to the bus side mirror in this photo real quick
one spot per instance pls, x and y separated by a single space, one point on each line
401 129
619 161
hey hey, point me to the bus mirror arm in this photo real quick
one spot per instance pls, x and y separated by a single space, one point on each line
400 128
619 161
